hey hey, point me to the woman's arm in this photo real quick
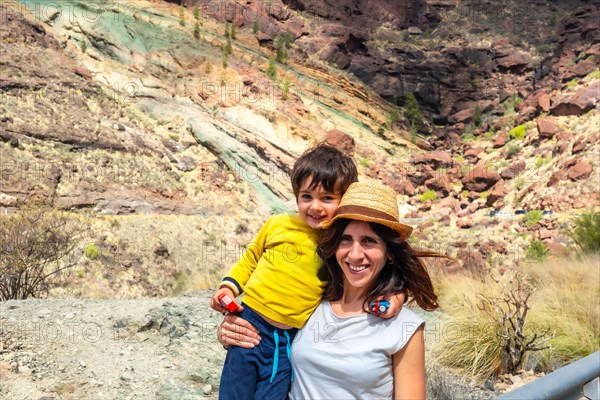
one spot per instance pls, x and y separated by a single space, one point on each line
409 368
236 331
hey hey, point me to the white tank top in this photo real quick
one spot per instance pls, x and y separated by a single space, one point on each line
348 357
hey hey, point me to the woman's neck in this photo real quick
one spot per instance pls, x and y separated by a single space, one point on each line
351 303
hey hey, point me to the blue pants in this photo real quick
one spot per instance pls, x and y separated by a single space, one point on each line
263 372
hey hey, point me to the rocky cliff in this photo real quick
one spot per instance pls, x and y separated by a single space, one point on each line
176 140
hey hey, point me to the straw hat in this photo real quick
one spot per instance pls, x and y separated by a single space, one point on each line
371 202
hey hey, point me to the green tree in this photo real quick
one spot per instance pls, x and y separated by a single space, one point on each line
280 51
271 69
228 47
255 26
227 30
197 30
411 111
477 117
233 32
287 39
285 88
181 15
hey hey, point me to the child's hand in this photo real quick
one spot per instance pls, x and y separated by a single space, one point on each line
395 305
216 305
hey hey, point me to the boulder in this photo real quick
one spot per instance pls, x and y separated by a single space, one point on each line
580 171
544 102
580 145
497 192
584 100
341 141
500 140
436 158
480 179
464 223
439 184
556 177
547 127
513 170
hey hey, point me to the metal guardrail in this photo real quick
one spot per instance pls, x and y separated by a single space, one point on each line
576 381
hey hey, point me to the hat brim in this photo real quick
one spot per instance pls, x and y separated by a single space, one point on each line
402 229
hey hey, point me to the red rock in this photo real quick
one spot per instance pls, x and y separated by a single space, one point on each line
480 179
579 171
496 193
500 140
584 99
556 248
464 223
472 261
462 116
341 141
451 203
579 146
583 68
560 147
474 206
83 72
544 102
547 127
513 170
414 30
545 233
438 158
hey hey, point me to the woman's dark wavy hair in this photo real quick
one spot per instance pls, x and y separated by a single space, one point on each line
407 273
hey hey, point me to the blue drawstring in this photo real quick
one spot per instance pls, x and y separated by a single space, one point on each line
276 355
288 348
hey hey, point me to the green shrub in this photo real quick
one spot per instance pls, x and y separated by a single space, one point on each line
92 252
287 38
255 27
411 110
181 15
587 232
477 117
285 88
536 250
594 75
233 32
196 13
532 218
271 69
518 132
541 161
197 30
428 195
572 83
513 150
281 53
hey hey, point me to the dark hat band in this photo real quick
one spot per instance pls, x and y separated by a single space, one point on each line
366 211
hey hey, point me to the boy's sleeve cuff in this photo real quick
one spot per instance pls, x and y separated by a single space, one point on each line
231 284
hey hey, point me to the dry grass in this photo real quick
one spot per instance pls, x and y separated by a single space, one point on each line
567 300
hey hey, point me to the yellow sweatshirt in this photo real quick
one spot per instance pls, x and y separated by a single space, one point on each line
278 271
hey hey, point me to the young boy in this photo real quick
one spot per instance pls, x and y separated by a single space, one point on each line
278 276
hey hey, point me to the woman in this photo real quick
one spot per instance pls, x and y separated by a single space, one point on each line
343 351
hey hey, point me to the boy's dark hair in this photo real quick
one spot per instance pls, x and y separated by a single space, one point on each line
324 165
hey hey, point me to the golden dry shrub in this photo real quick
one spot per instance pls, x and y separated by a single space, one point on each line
36 243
